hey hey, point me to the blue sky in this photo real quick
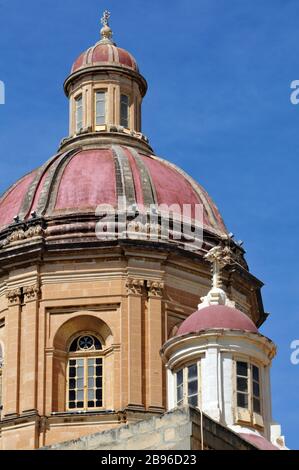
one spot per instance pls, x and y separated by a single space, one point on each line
219 74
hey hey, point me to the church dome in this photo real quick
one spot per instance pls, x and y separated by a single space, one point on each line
78 181
215 317
105 54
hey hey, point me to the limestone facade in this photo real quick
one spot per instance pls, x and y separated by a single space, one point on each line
133 299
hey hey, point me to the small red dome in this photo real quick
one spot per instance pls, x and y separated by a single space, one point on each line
216 316
105 54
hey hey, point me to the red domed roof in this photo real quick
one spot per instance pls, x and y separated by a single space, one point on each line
105 54
216 316
77 181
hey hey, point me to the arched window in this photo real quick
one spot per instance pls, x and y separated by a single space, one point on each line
85 373
124 110
100 107
79 112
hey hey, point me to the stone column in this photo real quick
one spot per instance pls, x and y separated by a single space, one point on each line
30 327
153 333
135 395
117 105
12 356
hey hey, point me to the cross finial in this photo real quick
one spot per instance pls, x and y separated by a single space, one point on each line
219 256
106 31
105 18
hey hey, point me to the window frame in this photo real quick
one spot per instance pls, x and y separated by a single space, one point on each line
255 397
128 106
85 355
104 92
248 413
185 383
78 98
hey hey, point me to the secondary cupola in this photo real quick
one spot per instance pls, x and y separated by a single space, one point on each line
219 362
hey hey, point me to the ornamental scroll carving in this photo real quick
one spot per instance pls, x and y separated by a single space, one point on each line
155 288
28 293
31 292
19 235
14 296
134 286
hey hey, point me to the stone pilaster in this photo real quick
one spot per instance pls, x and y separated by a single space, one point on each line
30 327
135 389
48 389
12 357
153 332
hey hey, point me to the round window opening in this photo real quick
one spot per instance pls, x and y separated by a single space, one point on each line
85 343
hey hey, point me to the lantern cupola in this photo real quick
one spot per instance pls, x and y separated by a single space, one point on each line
105 91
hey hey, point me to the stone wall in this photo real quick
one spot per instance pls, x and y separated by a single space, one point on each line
179 429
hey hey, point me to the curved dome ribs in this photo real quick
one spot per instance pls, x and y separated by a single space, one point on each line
105 54
12 199
209 206
41 192
124 177
148 194
49 193
33 190
78 181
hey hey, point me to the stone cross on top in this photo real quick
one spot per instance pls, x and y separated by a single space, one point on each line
105 18
218 256
106 31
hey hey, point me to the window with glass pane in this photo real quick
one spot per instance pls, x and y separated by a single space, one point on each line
79 113
100 108
187 385
242 384
85 374
85 343
193 385
124 111
248 387
256 399
76 383
180 387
